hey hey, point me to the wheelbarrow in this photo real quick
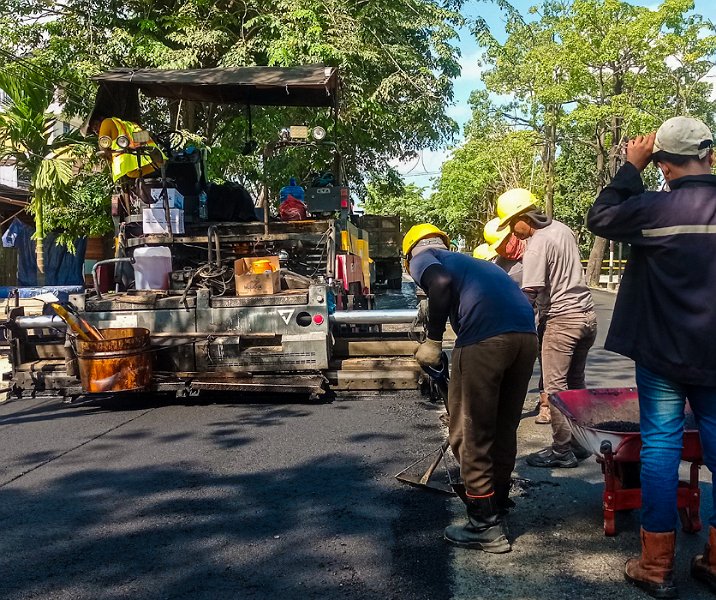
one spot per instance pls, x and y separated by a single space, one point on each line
606 421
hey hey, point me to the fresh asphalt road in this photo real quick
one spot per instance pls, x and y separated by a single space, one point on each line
234 498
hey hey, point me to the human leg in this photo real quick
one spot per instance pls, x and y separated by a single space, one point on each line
661 406
455 417
561 336
481 367
703 404
512 393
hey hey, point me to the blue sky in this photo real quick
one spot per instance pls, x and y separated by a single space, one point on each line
427 166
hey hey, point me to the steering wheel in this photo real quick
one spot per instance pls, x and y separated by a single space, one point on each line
170 140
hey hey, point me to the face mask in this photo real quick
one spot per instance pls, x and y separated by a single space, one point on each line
515 248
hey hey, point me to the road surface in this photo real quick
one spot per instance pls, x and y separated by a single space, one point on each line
228 498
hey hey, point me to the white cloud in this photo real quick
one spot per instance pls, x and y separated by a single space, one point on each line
471 70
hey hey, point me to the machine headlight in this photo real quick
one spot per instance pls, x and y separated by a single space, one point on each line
104 142
319 134
123 142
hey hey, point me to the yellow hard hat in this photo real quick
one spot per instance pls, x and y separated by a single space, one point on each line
493 235
422 231
484 252
514 202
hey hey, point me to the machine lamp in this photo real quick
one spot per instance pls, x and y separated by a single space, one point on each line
318 319
123 142
104 142
298 132
319 134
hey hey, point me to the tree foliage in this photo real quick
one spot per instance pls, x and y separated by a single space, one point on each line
494 158
397 57
586 73
408 202
29 141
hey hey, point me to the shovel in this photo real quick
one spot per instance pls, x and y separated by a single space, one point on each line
423 479
439 378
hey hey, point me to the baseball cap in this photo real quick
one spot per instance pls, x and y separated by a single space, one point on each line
683 136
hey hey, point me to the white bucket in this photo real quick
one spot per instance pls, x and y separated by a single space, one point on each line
152 266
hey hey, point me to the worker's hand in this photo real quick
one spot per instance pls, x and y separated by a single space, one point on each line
639 150
429 352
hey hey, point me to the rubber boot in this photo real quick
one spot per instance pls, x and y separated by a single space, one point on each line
502 497
484 529
653 572
703 566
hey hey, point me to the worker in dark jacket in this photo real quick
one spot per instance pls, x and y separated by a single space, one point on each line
665 320
492 363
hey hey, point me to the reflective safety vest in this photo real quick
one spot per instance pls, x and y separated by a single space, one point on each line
125 162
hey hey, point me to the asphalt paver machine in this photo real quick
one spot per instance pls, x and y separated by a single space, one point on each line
215 322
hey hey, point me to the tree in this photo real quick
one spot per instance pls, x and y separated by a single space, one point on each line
610 69
407 202
397 57
495 157
27 139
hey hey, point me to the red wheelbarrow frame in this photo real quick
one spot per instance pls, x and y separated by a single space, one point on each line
616 498
586 407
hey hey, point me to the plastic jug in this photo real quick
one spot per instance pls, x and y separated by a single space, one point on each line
152 266
292 189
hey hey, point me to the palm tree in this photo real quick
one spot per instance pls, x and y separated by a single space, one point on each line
27 138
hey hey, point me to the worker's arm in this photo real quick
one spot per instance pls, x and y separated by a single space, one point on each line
437 283
620 211
532 293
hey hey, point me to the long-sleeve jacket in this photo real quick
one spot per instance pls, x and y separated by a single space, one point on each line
665 314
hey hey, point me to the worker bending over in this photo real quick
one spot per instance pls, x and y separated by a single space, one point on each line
665 320
552 279
492 363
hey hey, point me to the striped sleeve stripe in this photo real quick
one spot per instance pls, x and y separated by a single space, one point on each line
677 230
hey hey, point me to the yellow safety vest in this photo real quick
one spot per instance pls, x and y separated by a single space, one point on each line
124 162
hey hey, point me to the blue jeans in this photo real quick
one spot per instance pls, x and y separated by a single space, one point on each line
661 404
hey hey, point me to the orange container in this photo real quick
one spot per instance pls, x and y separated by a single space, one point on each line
261 266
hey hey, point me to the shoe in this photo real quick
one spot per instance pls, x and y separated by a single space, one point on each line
484 529
703 566
551 459
653 571
580 452
544 417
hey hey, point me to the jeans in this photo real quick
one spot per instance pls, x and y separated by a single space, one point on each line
661 405
565 345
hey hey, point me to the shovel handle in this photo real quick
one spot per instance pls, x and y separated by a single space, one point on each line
434 465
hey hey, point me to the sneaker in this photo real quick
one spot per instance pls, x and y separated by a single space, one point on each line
544 417
551 459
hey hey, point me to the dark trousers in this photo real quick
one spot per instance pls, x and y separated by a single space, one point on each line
488 384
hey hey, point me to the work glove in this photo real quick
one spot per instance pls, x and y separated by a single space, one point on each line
429 353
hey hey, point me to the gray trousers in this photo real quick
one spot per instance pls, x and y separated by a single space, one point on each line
565 345
488 383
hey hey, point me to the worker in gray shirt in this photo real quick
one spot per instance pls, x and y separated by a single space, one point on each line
553 280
